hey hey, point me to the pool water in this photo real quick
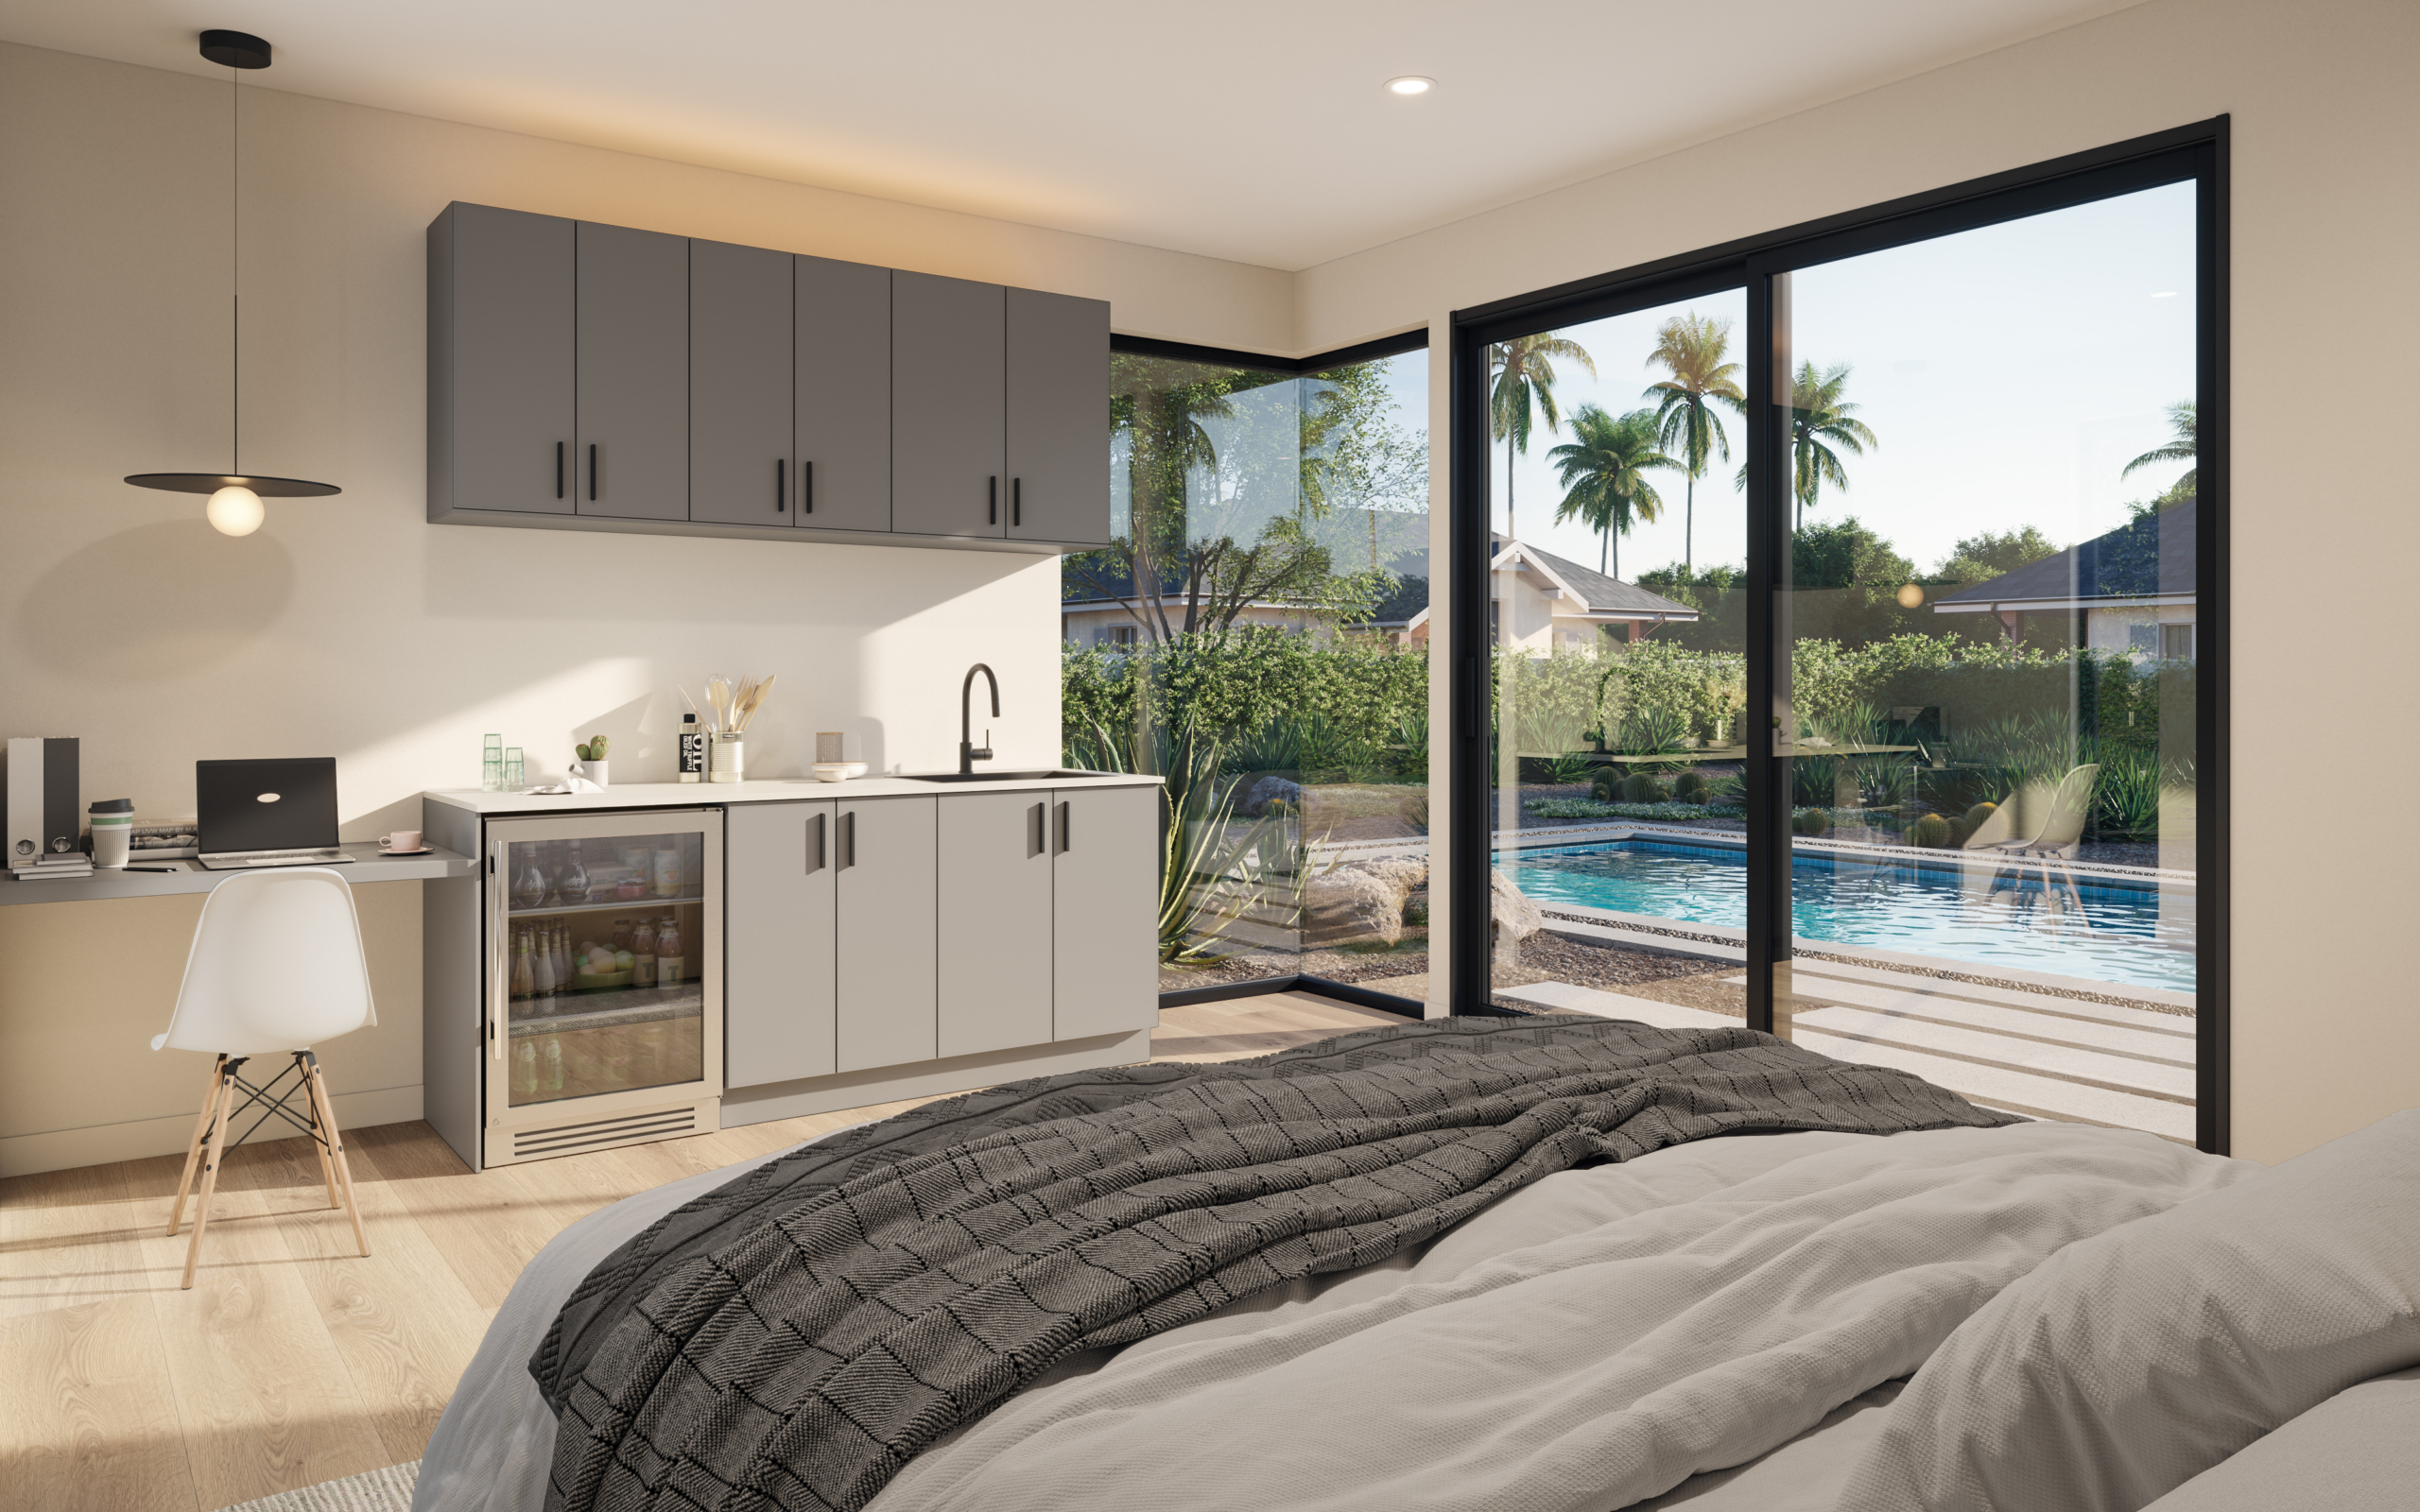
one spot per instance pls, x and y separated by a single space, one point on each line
2123 935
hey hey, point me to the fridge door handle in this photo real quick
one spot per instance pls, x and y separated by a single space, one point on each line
498 985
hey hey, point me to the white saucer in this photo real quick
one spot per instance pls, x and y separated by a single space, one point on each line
838 771
422 852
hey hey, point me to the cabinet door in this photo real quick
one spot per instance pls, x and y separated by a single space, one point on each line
946 415
994 935
779 975
843 380
1105 891
501 343
634 315
740 384
1058 418
884 857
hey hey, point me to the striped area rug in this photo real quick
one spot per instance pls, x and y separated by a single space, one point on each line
386 1490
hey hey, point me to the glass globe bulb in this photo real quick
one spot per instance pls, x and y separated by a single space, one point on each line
235 510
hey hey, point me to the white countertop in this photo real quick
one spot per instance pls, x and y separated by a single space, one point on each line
772 790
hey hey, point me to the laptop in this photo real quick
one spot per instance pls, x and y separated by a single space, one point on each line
280 812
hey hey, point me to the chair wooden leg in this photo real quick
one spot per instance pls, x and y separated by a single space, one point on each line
210 1162
193 1152
335 1152
323 1137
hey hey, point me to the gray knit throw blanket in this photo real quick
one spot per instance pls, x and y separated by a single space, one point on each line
860 1302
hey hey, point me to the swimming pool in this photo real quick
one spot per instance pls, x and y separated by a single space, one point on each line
2125 936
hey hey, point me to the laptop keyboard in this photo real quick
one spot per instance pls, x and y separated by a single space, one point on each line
276 858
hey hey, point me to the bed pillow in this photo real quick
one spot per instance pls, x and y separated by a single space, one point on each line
2129 1363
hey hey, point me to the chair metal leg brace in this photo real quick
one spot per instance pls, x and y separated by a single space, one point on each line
318 1123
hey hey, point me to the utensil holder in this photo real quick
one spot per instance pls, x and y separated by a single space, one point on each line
726 754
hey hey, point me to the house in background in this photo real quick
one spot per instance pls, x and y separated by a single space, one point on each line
1543 603
2133 587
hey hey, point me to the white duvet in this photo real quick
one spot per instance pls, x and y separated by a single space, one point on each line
1585 1344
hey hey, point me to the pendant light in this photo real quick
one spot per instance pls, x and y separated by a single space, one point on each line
235 507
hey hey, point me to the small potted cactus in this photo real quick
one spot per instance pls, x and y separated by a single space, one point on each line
592 761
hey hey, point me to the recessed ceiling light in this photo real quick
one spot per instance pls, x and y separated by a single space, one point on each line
2164 294
1411 84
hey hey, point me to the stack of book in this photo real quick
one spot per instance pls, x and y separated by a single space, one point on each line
55 867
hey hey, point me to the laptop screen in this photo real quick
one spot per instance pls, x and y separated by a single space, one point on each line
285 804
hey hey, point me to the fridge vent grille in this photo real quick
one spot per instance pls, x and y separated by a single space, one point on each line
564 1138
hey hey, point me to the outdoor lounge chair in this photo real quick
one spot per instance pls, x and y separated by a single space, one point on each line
2054 837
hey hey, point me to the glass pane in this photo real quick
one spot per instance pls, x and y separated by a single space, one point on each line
1990 694
605 960
1620 664
1257 636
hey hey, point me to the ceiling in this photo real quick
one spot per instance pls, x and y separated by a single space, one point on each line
1258 130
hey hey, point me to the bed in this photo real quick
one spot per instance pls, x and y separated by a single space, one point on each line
1763 1314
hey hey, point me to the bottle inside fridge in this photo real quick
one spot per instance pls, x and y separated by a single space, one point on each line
603 998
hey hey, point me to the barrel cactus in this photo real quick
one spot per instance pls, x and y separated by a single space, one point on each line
1931 833
1689 787
1640 788
1976 816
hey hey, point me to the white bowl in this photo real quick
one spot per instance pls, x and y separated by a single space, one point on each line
838 771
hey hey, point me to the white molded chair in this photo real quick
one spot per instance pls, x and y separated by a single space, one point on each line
276 967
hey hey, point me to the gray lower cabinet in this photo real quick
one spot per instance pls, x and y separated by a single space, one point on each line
947 444
780 975
1058 418
740 384
843 395
500 324
633 373
1104 894
995 918
885 955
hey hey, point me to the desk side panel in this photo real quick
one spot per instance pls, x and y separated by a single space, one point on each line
452 974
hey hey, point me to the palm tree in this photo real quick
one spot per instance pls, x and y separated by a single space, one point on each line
2186 446
1603 471
1820 420
1525 382
1691 348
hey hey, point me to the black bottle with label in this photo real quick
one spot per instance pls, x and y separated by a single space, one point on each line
693 750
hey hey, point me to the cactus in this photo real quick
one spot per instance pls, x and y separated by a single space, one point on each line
1976 816
1931 833
1607 788
1689 787
1811 821
592 750
1640 788
1959 831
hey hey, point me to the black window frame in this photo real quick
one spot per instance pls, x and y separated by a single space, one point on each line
2195 153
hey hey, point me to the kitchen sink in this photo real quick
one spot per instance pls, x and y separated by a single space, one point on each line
1048 775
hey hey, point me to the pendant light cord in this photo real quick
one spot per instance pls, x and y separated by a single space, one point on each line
235 271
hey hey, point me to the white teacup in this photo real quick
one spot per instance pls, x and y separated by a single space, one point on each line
400 840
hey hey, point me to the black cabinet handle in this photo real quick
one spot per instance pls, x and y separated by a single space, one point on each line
592 470
1040 828
559 469
992 511
1016 501
1066 830
781 484
806 487
816 854
848 839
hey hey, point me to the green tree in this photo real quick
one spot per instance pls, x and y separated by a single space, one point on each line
1719 595
1523 386
1821 420
1981 557
2184 445
1844 586
1691 348
1603 471
1357 461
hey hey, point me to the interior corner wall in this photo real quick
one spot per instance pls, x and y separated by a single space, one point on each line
2326 130
351 626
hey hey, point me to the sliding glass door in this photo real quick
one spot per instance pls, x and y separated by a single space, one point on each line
1840 642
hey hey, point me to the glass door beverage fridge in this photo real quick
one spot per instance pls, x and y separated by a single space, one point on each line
603 980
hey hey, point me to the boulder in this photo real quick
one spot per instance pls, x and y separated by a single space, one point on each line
1360 900
1517 915
1270 788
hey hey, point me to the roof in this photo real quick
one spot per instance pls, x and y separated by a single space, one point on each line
2145 561
1596 593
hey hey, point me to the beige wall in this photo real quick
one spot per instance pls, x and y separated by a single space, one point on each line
351 626
2326 132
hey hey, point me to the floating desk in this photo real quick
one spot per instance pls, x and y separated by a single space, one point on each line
369 865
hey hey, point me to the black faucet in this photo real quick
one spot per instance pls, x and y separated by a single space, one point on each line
967 753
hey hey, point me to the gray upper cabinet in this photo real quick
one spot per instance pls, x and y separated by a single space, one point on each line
948 342
780 980
591 377
500 323
633 373
1058 418
995 921
740 384
885 879
843 386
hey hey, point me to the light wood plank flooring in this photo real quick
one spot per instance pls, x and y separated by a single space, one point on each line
294 1360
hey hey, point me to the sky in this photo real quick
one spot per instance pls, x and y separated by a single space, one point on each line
2008 373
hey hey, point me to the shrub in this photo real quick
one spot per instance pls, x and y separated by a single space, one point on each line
1931 833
